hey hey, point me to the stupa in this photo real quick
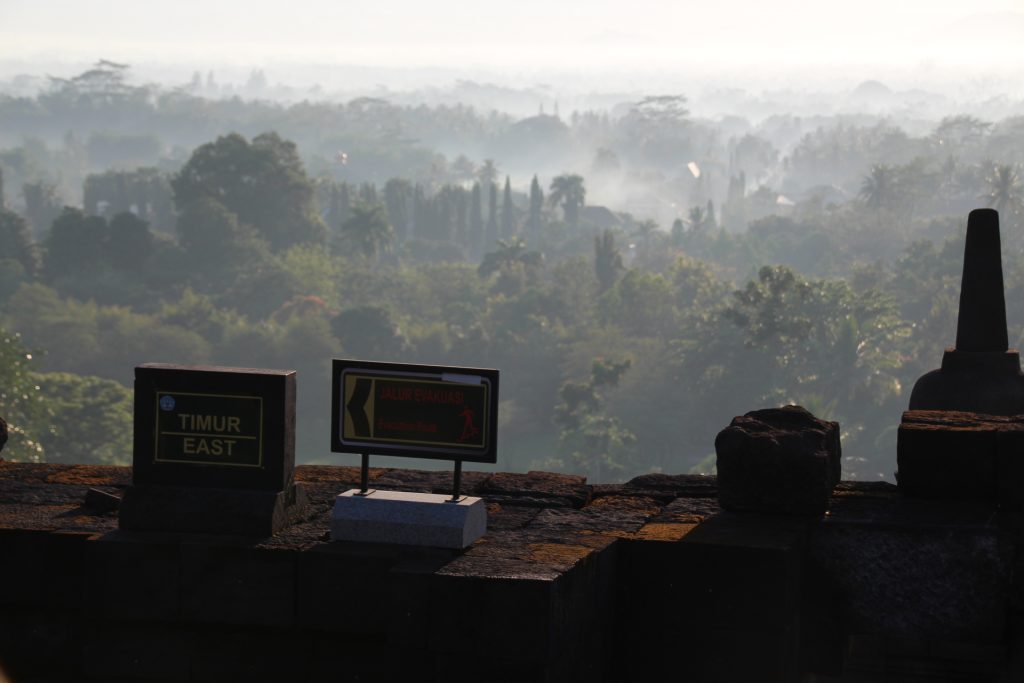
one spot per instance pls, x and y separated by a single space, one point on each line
981 374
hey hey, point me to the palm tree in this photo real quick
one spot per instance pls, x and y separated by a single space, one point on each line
567 190
878 188
607 260
367 230
1005 189
515 265
511 255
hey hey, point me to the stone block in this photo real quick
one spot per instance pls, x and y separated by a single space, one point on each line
237 585
248 655
333 579
408 518
136 651
778 460
537 485
958 455
207 510
730 586
947 454
913 569
131 579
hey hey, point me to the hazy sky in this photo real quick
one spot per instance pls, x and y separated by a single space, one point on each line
526 33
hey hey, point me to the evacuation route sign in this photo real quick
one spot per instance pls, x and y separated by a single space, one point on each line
415 410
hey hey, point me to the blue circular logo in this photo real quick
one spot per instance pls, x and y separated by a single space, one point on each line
167 403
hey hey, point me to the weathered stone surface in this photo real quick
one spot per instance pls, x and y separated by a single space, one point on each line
567 487
626 587
723 597
690 485
216 511
910 568
778 460
961 455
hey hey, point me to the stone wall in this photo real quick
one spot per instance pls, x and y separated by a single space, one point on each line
648 580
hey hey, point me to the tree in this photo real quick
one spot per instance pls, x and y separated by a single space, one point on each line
536 205
513 262
367 231
954 132
22 403
42 205
218 246
75 244
488 173
368 332
16 243
492 217
607 260
396 199
590 437
568 190
146 192
92 419
645 232
476 222
508 221
263 183
1005 190
129 242
878 189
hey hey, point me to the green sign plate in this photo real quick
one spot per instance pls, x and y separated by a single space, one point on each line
209 429
415 411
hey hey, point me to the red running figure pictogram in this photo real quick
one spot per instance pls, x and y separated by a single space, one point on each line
469 430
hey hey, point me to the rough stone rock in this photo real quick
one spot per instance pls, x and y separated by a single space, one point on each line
541 485
688 485
778 460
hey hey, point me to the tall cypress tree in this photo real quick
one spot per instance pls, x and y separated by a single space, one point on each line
420 219
476 223
396 202
445 214
536 204
461 217
507 217
492 218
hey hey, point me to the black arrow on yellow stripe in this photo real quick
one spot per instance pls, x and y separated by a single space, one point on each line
356 406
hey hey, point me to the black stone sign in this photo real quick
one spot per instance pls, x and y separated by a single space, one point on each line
214 450
419 411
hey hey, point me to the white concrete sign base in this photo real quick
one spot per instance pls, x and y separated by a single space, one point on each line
407 518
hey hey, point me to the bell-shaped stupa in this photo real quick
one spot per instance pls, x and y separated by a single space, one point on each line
980 374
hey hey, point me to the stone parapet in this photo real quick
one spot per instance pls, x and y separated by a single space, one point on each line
645 580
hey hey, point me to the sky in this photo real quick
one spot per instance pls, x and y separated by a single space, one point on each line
586 35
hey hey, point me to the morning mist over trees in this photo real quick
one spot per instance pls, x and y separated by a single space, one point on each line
649 223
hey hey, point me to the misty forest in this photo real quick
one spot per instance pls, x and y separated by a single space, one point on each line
638 271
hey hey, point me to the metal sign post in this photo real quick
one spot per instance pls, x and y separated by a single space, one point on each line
413 411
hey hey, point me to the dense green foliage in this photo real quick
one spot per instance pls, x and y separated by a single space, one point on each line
623 347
